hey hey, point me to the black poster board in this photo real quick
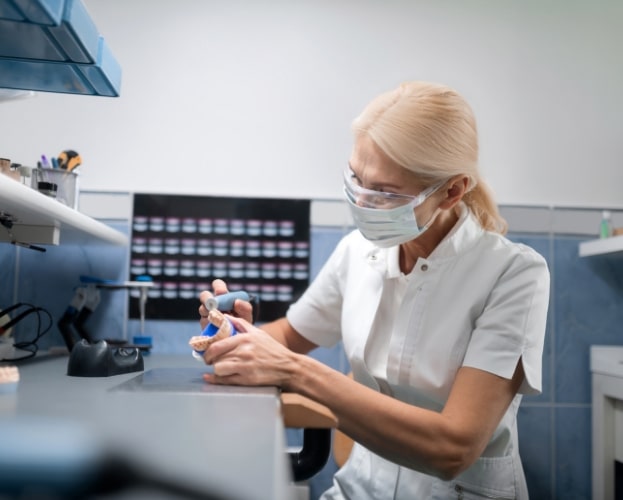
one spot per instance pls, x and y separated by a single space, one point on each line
185 242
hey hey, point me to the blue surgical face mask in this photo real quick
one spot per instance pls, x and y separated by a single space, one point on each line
386 219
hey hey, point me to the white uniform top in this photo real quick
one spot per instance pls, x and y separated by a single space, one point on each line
478 300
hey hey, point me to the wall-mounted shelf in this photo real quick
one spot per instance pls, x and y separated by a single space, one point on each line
38 219
605 246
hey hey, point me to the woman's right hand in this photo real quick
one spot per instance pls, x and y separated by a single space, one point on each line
242 308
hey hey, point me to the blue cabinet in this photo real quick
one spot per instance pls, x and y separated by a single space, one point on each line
54 46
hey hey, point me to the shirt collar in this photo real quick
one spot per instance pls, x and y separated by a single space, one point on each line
465 233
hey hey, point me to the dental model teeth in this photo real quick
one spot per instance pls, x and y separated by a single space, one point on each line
9 377
216 321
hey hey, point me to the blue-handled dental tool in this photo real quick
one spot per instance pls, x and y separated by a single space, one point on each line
226 301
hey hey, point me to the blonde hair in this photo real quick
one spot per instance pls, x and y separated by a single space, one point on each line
430 130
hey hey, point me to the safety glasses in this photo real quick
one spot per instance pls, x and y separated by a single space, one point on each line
380 199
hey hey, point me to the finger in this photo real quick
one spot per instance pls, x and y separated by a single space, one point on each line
240 324
203 322
226 368
218 380
219 287
244 309
219 348
203 296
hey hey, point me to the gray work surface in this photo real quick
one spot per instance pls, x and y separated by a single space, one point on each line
166 419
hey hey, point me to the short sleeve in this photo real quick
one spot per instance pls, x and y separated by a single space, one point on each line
317 313
513 323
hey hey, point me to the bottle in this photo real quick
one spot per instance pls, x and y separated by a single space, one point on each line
605 228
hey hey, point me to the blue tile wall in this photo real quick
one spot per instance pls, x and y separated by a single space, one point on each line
554 427
49 280
8 268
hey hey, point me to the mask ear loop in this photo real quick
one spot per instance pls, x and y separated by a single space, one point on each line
422 197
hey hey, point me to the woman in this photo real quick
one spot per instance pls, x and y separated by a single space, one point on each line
442 318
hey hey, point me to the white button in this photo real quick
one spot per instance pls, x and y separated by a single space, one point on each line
424 267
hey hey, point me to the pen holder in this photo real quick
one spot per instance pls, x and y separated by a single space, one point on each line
67 184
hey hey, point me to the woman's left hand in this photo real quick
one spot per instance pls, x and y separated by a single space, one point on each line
252 357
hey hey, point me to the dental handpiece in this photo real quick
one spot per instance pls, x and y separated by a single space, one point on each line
226 301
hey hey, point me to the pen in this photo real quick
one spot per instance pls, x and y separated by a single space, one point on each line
44 161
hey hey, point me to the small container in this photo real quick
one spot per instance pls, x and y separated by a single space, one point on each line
254 227
269 249
155 245
204 247
285 293
253 248
236 270
236 226
187 268
170 267
286 228
138 267
187 290
270 228
154 267
155 292
268 293
156 224
252 270
172 224
140 223
171 246
269 270
169 290
220 247
204 268
300 272
605 227
236 248
189 225
301 249
285 249
221 226
204 226
139 245
188 247
219 269
284 271
66 184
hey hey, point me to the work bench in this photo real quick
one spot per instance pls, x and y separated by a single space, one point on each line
164 421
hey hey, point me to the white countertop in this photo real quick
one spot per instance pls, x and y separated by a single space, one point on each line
167 420
607 360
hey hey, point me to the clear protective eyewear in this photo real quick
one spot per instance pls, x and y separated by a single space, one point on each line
370 198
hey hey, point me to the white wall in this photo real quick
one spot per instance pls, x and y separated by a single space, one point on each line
255 97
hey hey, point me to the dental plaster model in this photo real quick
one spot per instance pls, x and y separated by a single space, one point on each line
218 328
9 377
